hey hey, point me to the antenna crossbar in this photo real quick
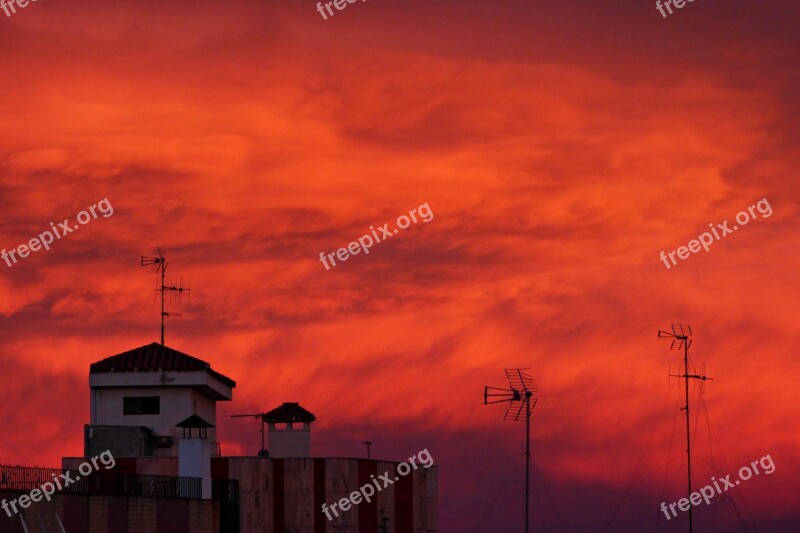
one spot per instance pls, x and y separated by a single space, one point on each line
175 289
518 395
263 451
681 340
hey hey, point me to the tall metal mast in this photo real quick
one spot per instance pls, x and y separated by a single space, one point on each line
681 339
518 396
160 263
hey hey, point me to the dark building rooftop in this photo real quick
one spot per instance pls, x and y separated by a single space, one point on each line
153 358
194 421
289 412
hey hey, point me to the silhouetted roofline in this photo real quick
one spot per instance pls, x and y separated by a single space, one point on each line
289 412
153 358
194 421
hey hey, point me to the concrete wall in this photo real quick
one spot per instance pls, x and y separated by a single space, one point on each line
286 495
276 496
341 479
386 497
177 404
199 380
294 442
154 466
256 491
121 441
426 498
298 494
113 514
157 466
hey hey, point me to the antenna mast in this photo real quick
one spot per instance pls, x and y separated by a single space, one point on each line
160 265
518 396
263 452
681 340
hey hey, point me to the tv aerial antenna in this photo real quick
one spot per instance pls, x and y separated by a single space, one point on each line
518 396
174 288
681 340
369 446
263 452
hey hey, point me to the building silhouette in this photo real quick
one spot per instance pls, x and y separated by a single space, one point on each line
154 409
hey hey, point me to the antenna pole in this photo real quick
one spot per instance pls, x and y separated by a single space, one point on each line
688 441
681 338
263 452
368 443
527 455
518 396
160 263
163 285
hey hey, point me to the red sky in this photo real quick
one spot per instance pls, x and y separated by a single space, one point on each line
561 146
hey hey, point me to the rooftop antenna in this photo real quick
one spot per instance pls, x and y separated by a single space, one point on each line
518 396
681 340
175 287
263 452
369 444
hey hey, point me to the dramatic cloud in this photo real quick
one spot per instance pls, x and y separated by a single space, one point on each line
560 148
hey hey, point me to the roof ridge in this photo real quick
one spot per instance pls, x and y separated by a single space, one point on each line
155 357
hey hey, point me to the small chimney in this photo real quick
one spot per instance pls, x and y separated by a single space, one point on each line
289 431
194 452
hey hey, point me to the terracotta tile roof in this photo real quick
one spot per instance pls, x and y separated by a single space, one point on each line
153 358
289 412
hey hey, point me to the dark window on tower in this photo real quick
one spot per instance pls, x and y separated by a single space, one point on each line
141 405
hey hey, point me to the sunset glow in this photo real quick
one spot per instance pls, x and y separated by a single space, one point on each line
560 147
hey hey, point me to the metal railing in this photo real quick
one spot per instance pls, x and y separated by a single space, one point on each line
25 479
